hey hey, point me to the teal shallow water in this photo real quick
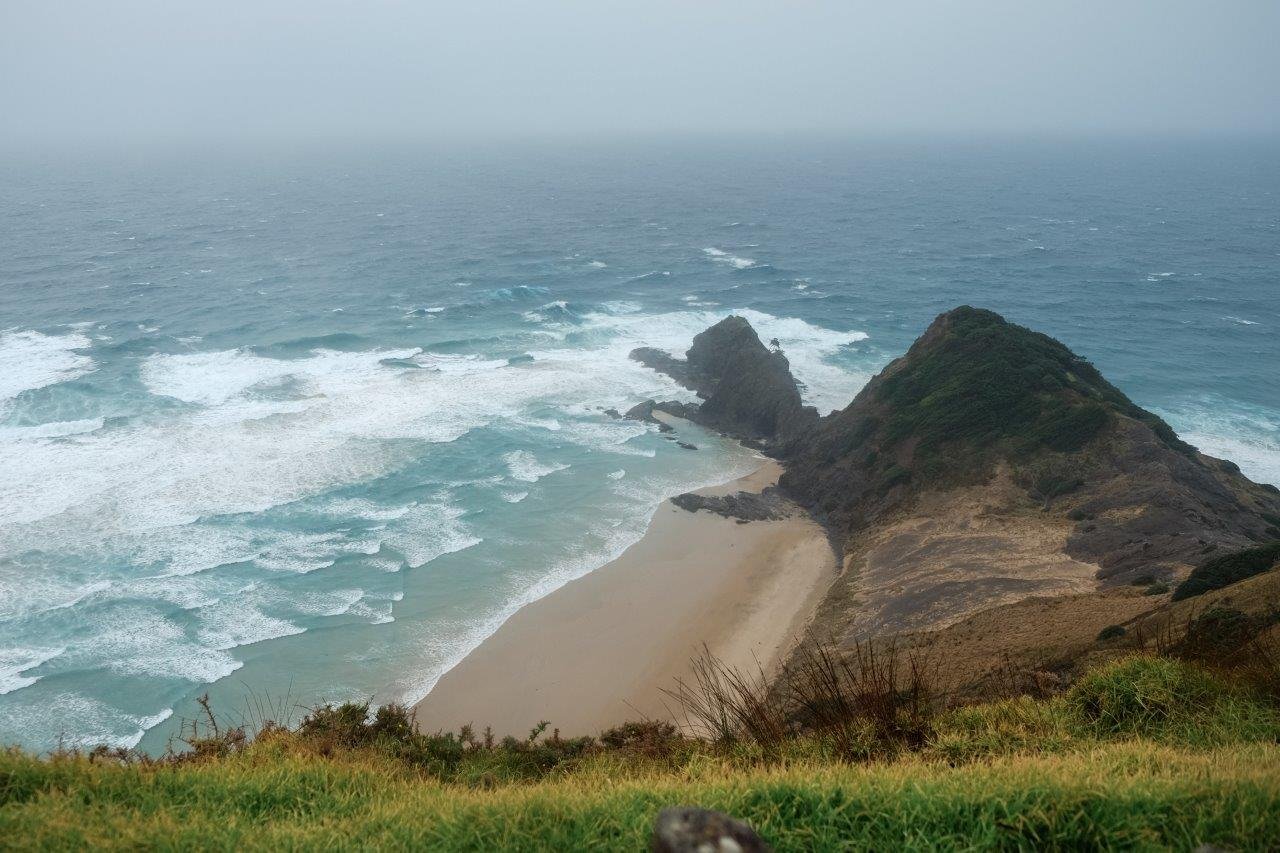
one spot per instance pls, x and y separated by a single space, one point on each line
316 426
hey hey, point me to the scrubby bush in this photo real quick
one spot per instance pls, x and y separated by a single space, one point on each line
1111 632
1050 478
983 382
1228 569
1142 695
1215 634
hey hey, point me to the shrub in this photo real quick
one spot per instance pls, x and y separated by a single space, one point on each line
1228 569
1142 695
866 700
1111 632
1050 478
1215 634
1157 588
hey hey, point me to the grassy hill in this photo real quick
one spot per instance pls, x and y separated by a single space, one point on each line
1143 752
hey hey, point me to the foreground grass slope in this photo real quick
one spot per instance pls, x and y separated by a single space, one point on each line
1145 753
1122 795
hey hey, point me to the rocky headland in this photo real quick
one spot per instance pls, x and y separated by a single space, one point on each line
988 466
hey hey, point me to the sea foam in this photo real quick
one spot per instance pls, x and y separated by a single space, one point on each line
31 360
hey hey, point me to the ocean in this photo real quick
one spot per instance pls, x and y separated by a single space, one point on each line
307 426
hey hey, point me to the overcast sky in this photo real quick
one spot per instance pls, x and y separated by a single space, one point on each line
118 70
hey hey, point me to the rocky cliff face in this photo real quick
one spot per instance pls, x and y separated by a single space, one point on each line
748 391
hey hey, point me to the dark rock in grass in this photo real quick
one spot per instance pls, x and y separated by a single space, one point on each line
687 829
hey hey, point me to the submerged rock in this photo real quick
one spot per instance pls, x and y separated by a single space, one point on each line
688 829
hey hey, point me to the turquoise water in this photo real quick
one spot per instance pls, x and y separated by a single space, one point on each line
312 425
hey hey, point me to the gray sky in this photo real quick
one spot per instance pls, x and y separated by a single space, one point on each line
119 70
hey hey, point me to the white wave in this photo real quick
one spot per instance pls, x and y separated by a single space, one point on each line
429 531
723 257
1258 459
621 306
525 467
237 622
1241 321
15 661
376 611
514 497
617 475
55 429
242 453
331 603
598 265
74 720
31 360
302 553
137 641
1247 435
361 508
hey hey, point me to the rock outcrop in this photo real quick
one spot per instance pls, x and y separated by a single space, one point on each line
748 391
768 505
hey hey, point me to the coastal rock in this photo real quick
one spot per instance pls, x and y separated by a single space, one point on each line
665 362
768 505
748 391
687 829
645 412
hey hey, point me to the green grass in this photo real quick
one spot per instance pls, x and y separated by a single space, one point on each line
1121 795
1145 753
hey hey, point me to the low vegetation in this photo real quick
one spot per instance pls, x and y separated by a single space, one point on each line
1228 569
986 382
860 752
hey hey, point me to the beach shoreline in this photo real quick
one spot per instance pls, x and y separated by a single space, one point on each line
600 650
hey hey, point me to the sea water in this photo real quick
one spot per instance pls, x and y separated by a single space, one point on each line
298 427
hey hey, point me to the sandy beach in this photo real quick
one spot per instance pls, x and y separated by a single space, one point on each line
599 651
